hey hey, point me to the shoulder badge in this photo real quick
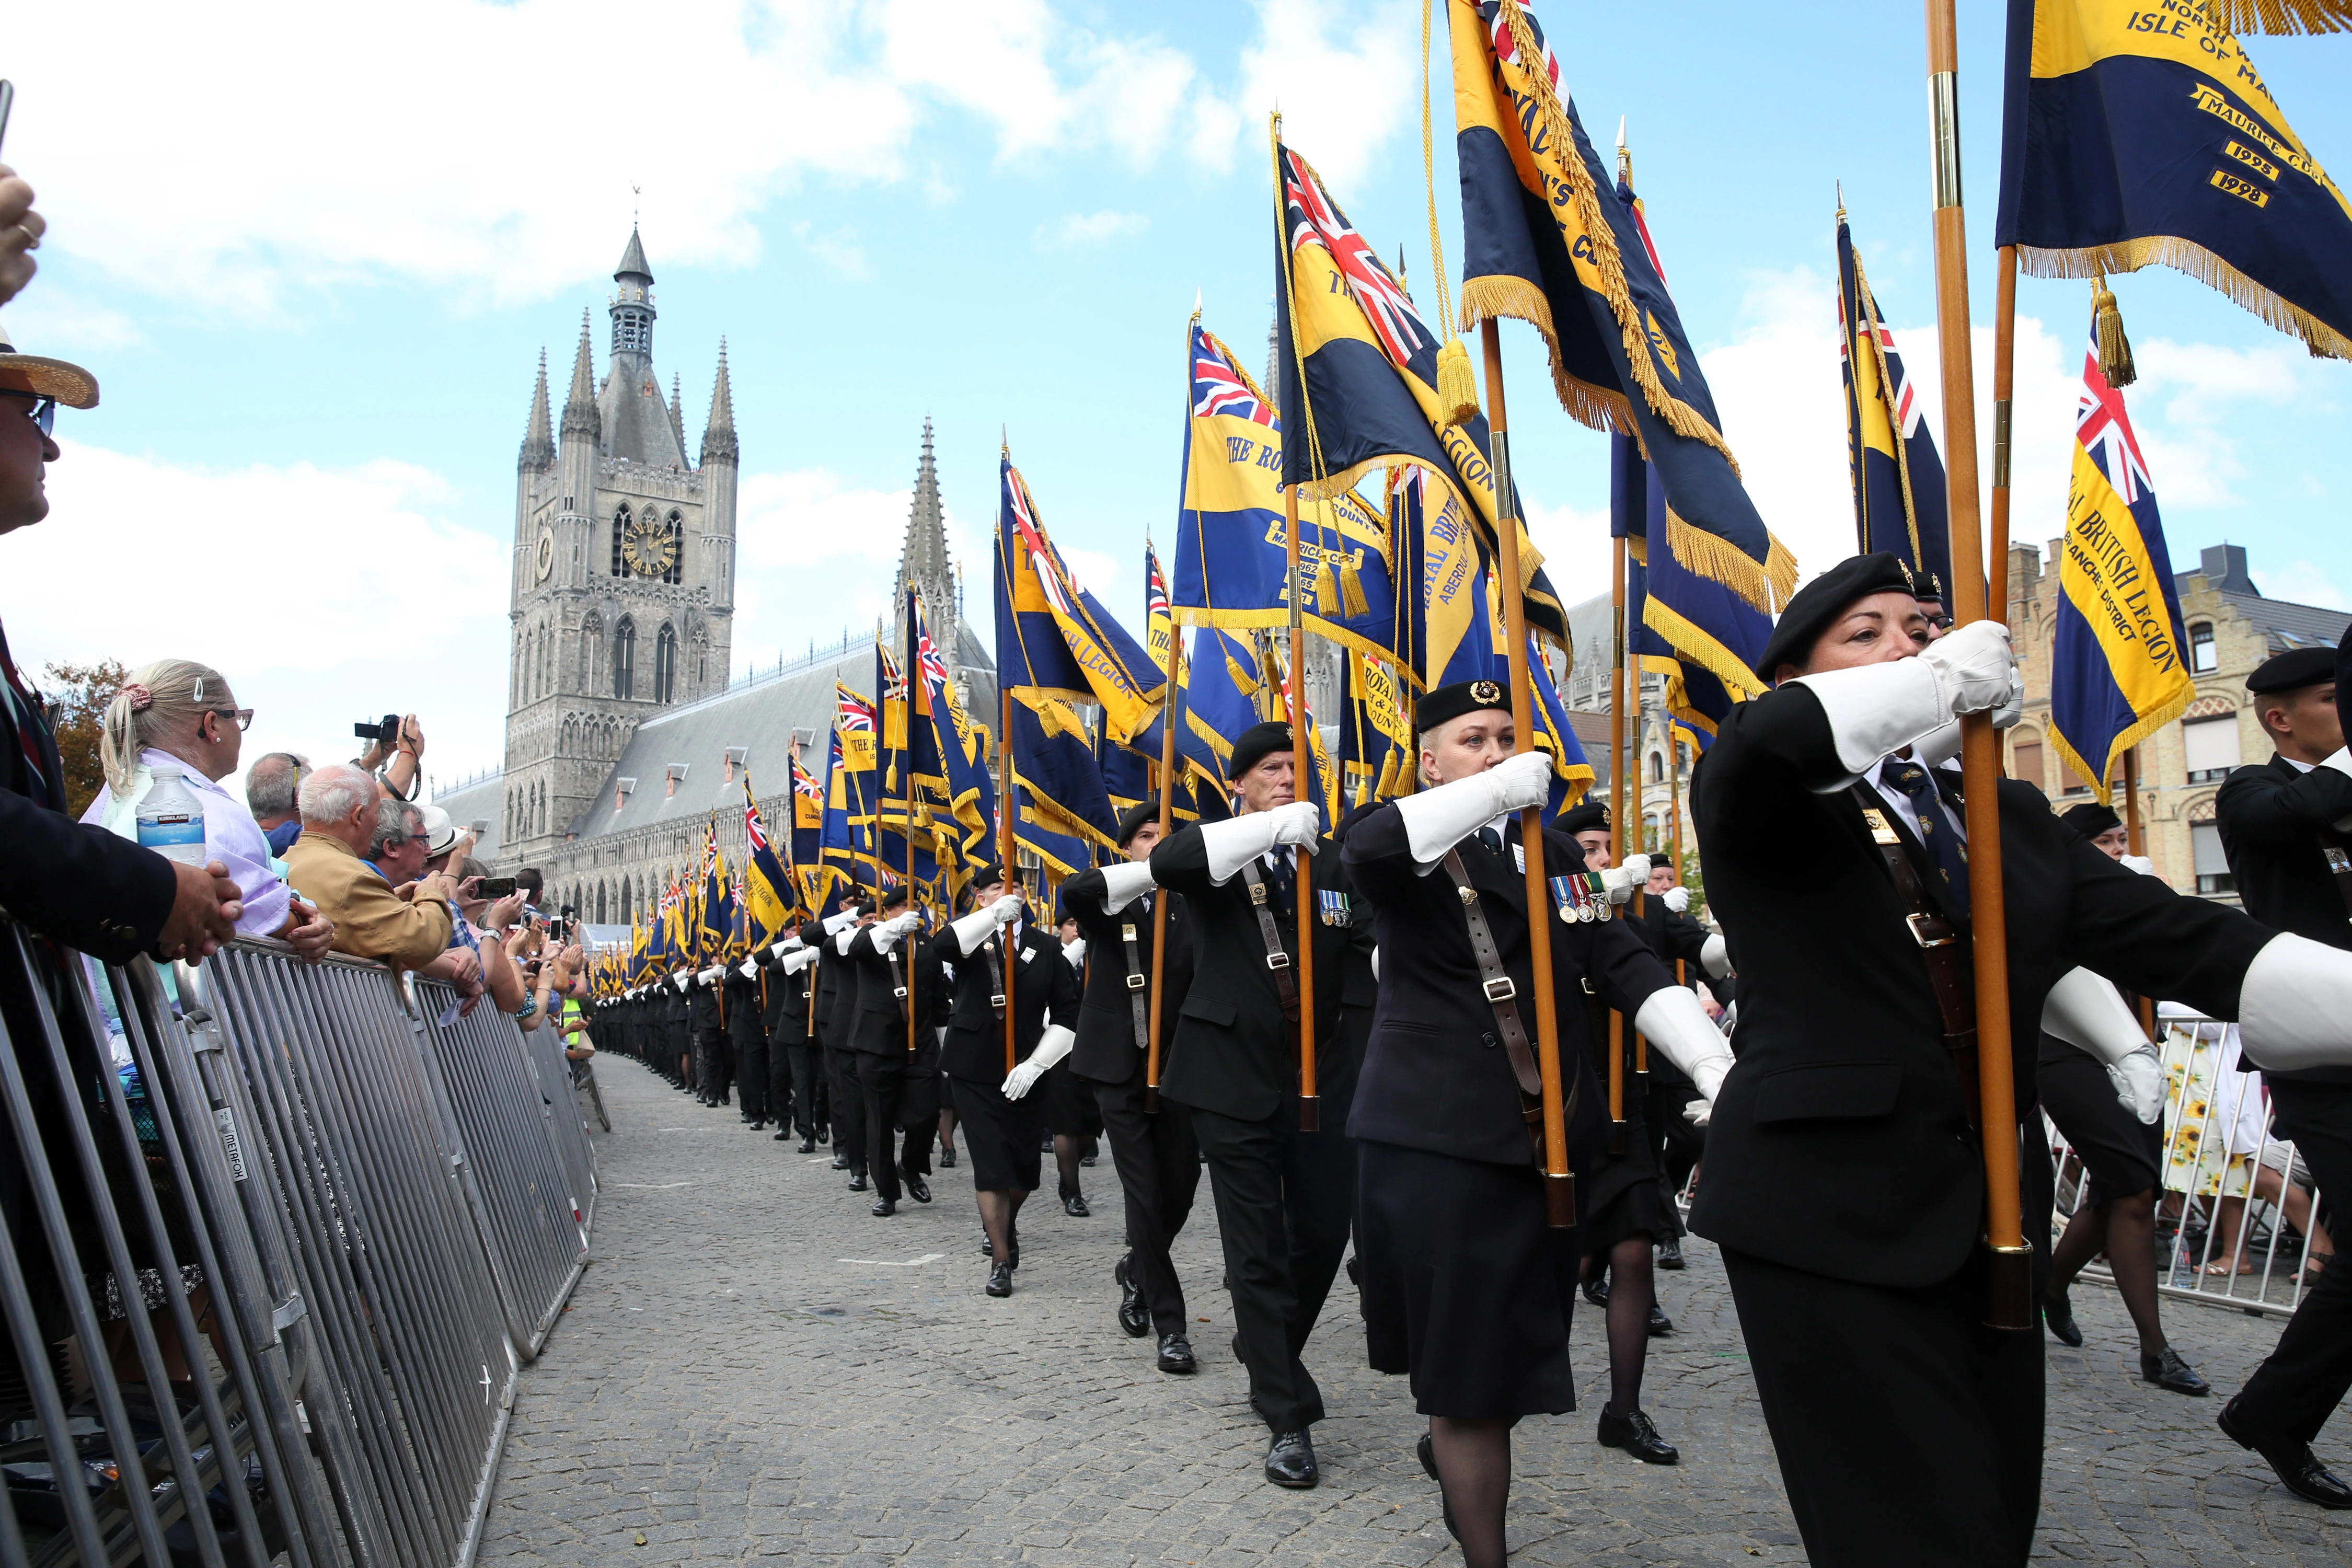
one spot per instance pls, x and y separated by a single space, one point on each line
1881 832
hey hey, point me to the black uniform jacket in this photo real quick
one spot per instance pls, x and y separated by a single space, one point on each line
744 1025
1436 1076
1106 1051
787 1013
1840 1143
837 995
2270 817
878 1025
1045 989
1234 1052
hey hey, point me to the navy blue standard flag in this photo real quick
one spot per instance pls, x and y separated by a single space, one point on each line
1899 504
2137 133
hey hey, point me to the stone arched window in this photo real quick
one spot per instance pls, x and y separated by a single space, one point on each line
665 664
600 903
592 650
701 663
676 572
624 659
620 527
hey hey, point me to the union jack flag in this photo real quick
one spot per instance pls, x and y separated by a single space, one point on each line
1041 559
805 785
927 653
754 828
851 711
1504 48
894 683
1907 408
1312 218
709 851
1155 588
1220 386
2102 427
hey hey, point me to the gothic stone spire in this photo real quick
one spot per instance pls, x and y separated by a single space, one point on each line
580 416
719 435
539 434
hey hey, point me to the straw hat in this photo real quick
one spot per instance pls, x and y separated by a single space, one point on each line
68 384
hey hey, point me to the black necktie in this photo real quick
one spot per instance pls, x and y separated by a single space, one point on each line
1492 837
1911 781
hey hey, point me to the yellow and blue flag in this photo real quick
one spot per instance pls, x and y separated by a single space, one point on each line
2117 669
1442 552
1543 243
718 901
2135 134
771 895
1054 760
810 873
1053 638
1377 752
1358 378
1899 505
1232 554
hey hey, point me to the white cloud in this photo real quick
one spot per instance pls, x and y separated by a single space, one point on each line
46 320
839 250
1085 231
1098 572
322 595
1575 545
2302 583
469 143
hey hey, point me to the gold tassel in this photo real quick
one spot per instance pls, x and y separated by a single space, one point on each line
1352 589
2107 327
1327 587
1457 388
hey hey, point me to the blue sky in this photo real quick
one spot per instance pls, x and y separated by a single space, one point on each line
313 257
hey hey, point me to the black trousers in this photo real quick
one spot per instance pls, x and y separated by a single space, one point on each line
1674 1142
2298 1387
1908 1431
751 1073
801 1065
1158 1164
899 1099
1286 1200
848 1106
717 1064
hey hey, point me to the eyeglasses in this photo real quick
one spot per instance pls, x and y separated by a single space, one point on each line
42 412
244 716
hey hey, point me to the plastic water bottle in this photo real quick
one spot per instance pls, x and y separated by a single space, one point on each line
171 818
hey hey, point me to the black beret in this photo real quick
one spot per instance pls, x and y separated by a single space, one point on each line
1448 703
2296 667
1816 606
1586 816
894 897
986 872
1131 820
1256 743
2090 819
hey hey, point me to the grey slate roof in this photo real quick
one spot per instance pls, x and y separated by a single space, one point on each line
2290 626
637 423
482 800
634 258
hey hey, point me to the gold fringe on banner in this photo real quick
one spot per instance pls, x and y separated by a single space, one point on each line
2108 331
2283 17
1767 585
1691 643
2186 255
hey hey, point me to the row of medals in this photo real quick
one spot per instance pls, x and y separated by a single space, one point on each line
1590 904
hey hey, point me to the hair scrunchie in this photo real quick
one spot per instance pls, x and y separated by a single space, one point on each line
138 696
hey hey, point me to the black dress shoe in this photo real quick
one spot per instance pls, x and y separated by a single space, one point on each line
1000 1280
840 1160
1596 1288
1013 1243
1660 1324
1237 1350
1670 1252
1637 1436
1132 1317
2168 1370
824 1134
756 1123
884 1208
1290 1462
987 1248
2058 1316
808 1145
947 1159
1355 1272
1074 1206
856 1181
917 1188
1426 1450
1176 1354
2301 1473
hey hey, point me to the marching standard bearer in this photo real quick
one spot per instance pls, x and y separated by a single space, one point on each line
1843 1181
1158 1158
1466 1285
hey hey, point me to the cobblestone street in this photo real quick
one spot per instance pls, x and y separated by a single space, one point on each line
753 1367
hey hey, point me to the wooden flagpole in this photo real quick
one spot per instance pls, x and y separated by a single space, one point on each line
1169 718
1004 810
1559 1186
1617 771
1674 818
2008 1283
908 673
1310 1104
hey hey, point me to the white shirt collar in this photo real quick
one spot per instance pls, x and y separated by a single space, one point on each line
2300 767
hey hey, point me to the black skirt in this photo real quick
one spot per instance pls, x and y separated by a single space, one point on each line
1070 1108
1000 1135
2121 1152
1465 1287
1619 1195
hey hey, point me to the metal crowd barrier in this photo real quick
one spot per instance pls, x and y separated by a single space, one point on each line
265 1246
2237 1213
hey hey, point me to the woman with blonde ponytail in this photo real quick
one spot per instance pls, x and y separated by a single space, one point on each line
178 716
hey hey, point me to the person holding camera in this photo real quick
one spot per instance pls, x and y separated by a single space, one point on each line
394 754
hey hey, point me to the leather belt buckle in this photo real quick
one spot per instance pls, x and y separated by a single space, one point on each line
1135 982
899 991
1920 933
1500 989
996 1001
1278 961
1257 893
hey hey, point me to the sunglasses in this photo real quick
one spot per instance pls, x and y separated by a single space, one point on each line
42 412
244 716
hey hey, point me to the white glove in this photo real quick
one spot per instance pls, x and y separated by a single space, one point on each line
1006 909
1939 745
793 962
712 975
1622 880
2139 863
1235 842
835 922
1075 952
750 968
790 944
1124 883
2295 1006
973 928
1436 819
1675 898
683 980
887 932
1875 709
2140 1083
2086 1010
1376 963
1976 672
1676 1025
1052 1047
1714 956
